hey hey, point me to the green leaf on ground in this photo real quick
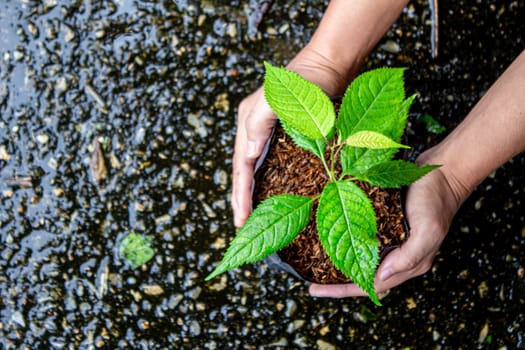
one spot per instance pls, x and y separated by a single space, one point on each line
431 124
347 228
372 140
271 226
136 249
301 104
395 173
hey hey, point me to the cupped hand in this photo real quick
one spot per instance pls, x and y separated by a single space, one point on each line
255 121
431 203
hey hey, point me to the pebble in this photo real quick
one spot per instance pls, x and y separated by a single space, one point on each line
291 307
390 46
18 319
295 325
324 345
18 55
61 84
153 290
195 328
3 153
221 178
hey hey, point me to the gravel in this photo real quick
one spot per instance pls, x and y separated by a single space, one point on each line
156 85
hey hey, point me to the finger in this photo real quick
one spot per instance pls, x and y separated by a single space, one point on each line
335 290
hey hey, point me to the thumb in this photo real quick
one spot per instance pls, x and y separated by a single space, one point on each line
410 260
258 127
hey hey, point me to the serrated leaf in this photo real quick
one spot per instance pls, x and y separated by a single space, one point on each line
355 160
396 173
270 227
347 228
317 147
298 102
372 140
372 102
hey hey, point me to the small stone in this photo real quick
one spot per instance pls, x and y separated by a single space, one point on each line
222 103
194 293
18 319
281 342
42 138
193 120
200 21
324 330
284 28
143 324
295 325
291 308
483 333
390 46
271 31
324 345
175 300
61 84
195 328
231 30
411 303
483 289
32 28
220 243
3 153
18 55
153 290
69 34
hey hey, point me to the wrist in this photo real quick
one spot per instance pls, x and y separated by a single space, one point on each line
461 185
331 76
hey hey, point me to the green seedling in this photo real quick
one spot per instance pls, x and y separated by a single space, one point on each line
136 249
361 140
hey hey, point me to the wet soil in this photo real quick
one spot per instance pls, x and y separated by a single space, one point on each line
156 85
289 169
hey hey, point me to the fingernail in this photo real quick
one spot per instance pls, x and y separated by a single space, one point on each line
252 149
385 274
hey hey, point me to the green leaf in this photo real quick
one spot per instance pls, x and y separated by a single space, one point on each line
431 124
372 102
372 140
270 227
394 174
136 249
317 147
347 228
355 160
300 103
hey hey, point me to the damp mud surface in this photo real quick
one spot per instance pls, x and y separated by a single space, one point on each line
119 116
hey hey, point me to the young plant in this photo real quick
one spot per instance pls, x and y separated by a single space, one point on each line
362 140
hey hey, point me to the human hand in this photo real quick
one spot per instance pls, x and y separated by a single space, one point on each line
255 121
431 203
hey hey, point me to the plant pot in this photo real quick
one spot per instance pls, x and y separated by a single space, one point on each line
286 168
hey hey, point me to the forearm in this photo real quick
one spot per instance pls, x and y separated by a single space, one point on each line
491 134
348 31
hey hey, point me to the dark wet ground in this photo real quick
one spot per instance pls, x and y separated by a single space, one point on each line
155 85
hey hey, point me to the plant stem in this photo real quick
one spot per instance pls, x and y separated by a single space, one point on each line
330 174
331 171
